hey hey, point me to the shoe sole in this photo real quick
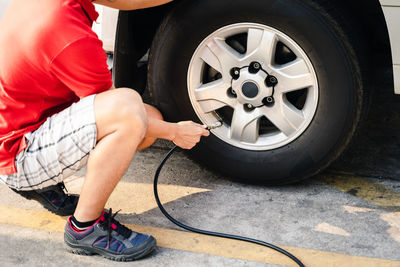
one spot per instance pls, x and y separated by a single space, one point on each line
89 251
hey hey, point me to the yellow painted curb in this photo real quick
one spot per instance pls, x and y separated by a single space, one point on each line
192 242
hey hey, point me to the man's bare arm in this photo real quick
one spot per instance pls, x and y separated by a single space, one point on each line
131 4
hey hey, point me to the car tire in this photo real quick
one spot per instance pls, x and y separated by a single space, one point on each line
330 125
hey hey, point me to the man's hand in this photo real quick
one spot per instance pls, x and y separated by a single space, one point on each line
188 134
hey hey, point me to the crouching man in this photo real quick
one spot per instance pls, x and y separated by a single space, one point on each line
60 112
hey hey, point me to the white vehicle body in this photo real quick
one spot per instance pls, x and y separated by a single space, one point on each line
106 26
391 9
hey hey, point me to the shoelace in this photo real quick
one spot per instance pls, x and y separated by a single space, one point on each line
120 229
63 187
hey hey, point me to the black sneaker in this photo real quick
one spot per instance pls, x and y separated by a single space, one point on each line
108 238
53 198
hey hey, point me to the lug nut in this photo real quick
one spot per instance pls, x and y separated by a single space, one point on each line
235 73
271 81
250 106
254 67
233 92
269 101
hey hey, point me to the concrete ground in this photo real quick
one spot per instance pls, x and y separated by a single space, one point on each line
325 221
347 216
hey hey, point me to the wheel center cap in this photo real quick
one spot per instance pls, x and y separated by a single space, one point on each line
250 89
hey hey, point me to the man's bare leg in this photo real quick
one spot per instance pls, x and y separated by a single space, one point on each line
121 126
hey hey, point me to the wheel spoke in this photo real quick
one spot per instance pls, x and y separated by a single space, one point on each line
284 116
245 125
221 56
260 46
213 96
208 56
293 76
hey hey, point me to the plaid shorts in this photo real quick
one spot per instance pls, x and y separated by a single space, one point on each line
57 149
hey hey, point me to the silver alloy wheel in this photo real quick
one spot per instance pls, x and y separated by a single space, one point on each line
246 93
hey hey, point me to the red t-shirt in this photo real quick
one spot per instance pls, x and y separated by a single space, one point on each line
49 58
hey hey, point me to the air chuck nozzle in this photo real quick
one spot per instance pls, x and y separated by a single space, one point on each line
214 125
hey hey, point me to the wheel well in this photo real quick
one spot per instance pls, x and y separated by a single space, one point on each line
136 30
135 33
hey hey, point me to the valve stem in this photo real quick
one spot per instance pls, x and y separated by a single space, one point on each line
214 125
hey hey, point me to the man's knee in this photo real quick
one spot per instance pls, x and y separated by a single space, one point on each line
131 111
121 109
128 106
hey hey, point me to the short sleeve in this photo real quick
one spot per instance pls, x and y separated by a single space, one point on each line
82 67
